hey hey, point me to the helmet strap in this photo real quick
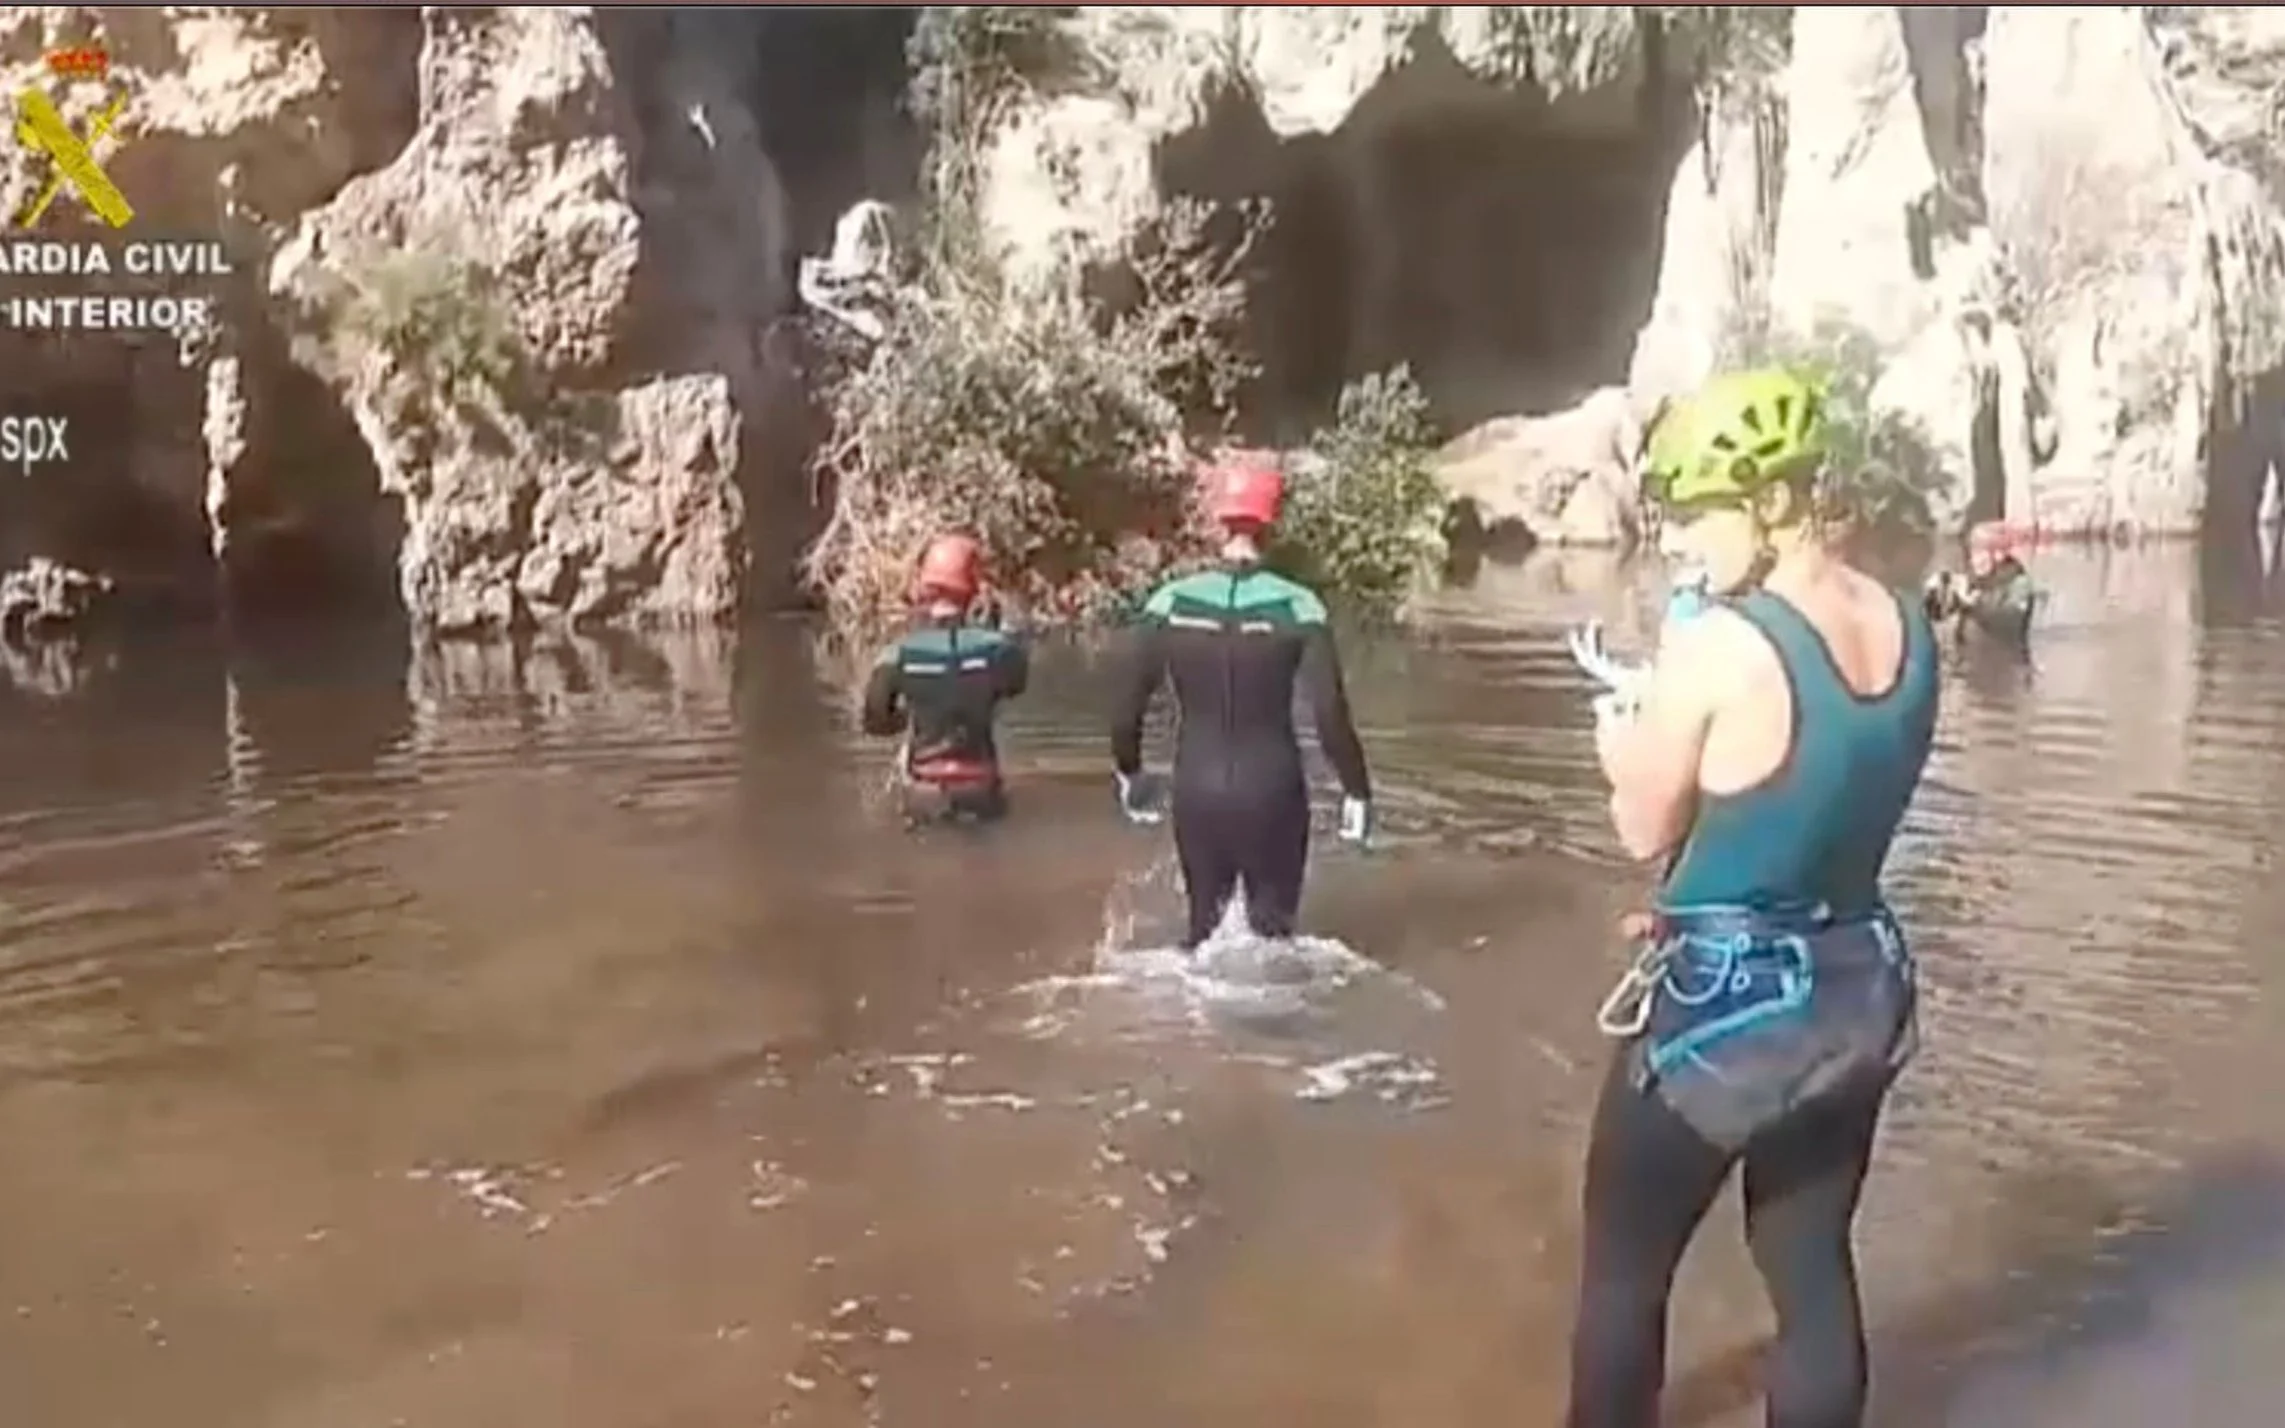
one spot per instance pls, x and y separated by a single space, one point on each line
1799 508
1764 550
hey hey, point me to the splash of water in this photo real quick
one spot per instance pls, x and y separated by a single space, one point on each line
1272 1002
1233 975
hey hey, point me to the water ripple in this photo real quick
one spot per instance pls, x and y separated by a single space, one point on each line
619 947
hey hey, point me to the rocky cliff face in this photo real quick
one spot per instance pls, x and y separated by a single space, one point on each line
633 267
234 115
497 332
2062 225
1474 190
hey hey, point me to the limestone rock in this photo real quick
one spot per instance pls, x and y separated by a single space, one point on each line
2129 179
1716 251
1856 165
1881 233
1312 65
2063 229
234 119
658 525
1072 177
291 102
2063 232
1568 479
43 596
636 266
45 610
223 428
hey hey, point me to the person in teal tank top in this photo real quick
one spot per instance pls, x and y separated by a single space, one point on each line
1817 830
1767 761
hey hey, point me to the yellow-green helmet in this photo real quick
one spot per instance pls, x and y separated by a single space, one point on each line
1745 430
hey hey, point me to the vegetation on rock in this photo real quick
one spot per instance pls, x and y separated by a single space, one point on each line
1065 432
1364 516
426 331
1051 433
430 310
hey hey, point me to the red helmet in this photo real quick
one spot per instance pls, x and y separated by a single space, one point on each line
1245 491
951 568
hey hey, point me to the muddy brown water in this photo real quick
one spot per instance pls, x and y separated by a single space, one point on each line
568 1039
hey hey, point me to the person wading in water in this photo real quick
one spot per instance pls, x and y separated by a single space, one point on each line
1235 641
1997 599
941 685
1779 739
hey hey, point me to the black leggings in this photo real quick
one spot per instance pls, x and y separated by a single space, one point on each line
1225 842
1650 1180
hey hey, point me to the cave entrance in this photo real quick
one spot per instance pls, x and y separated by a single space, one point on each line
310 529
2242 543
1505 248
827 93
827 90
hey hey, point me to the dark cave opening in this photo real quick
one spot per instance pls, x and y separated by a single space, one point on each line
827 89
2243 561
1503 247
828 95
310 529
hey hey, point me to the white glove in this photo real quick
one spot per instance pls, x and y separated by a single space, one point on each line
1139 799
1356 820
1599 665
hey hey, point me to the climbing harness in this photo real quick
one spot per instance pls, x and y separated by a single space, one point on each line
1734 1015
1714 963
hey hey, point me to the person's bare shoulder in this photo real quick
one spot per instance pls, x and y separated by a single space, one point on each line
1719 656
1867 593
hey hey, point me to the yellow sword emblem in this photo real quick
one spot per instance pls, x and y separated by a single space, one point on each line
40 128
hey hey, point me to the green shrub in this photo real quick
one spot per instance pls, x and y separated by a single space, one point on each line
1363 521
1055 435
439 315
1881 474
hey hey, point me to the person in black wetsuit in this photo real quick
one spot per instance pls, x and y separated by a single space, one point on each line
942 685
1997 599
1234 641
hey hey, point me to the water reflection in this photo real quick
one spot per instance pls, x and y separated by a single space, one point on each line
562 1033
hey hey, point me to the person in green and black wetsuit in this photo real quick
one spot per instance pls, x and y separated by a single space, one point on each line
942 686
1234 641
